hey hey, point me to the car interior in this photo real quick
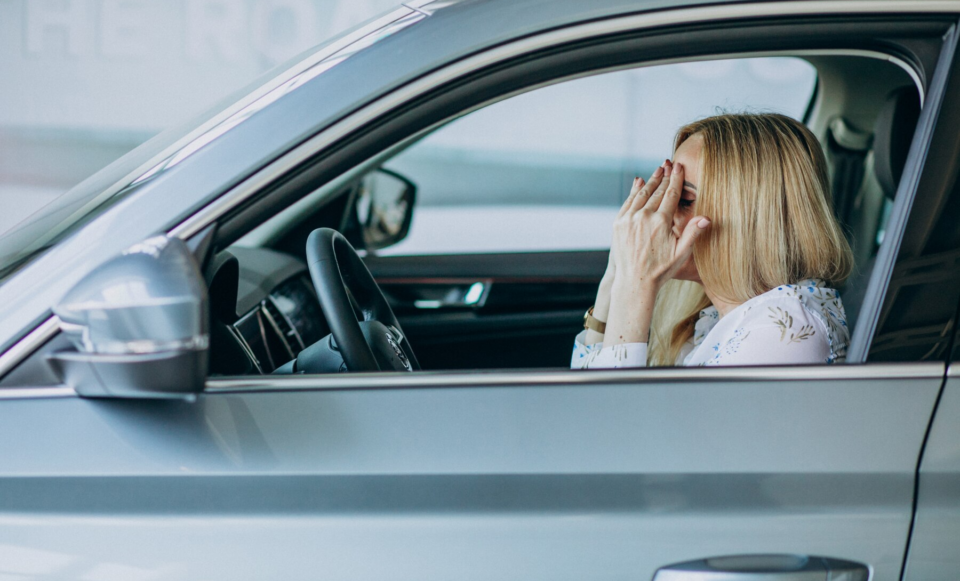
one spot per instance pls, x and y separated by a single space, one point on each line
519 309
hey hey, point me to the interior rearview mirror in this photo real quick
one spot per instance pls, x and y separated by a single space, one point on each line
384 208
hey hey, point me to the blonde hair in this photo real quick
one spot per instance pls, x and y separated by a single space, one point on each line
764 186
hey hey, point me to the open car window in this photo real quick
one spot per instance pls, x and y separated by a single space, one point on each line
515 201
548 169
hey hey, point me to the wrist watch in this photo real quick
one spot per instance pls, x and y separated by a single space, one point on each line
592 323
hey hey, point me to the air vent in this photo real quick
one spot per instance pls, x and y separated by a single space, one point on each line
291 340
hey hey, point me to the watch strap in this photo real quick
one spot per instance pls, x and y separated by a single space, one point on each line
592 323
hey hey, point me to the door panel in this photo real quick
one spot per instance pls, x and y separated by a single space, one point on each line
531 305
571 475
933 544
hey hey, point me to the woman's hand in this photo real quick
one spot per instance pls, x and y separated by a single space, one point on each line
647 252
611 273
601 306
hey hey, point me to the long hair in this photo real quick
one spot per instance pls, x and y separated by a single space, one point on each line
764 186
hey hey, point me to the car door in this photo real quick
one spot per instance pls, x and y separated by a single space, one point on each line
506 475
563 475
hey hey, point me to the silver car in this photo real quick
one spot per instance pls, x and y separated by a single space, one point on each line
218 360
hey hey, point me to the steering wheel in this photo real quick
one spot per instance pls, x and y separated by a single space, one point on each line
375 344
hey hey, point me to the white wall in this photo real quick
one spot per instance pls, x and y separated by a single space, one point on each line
141 65
84 81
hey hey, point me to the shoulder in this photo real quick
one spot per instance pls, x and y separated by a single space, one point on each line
772 329
821 307
789 315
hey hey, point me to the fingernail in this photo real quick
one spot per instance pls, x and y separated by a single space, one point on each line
659 172
678 166
703 223
666 171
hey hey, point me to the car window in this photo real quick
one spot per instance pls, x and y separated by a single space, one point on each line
548 169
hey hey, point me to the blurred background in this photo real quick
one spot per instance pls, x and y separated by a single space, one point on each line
85 81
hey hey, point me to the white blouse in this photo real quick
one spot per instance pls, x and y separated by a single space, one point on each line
791 324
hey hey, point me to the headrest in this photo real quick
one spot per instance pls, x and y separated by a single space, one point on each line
893 133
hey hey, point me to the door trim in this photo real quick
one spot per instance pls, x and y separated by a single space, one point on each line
533 378
28 344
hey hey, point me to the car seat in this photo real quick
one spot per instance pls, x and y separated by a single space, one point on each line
893 133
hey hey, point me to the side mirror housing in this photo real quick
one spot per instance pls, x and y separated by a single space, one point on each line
383 208
139 325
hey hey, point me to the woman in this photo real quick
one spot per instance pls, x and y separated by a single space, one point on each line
729 255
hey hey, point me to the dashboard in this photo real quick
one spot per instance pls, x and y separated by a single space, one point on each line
265 311
281 325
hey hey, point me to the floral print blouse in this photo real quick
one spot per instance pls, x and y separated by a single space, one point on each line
791 324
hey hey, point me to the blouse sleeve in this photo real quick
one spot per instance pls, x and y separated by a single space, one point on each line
777 333
597 356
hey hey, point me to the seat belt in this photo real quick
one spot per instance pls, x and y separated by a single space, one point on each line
847 148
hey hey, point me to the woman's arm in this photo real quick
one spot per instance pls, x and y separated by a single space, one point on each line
601 307
644 254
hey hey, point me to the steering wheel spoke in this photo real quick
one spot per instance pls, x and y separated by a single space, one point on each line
341 280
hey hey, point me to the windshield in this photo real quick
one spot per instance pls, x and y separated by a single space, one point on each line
64 214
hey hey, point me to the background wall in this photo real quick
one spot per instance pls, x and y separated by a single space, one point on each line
85 81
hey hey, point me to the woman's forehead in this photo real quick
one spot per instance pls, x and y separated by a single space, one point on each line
689 155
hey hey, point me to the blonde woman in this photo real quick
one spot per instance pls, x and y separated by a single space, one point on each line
728 255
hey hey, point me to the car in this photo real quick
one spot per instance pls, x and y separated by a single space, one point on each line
234 354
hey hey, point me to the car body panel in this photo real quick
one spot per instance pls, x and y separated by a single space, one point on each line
936 531
607 479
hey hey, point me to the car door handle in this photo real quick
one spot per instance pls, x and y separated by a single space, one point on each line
764 568
406 294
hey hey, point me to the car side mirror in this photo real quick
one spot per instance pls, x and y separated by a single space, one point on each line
384 208
139 325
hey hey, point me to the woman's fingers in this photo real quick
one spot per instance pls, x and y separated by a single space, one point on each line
638 184
645 192
671 197
653 202
694 228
